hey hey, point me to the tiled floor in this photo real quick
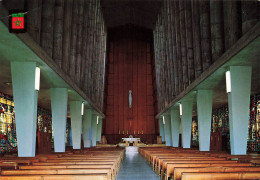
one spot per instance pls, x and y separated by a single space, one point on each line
135 167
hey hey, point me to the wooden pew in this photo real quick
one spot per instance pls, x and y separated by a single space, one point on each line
56 177
170 167
255 162
114 164
158 162
165 163
178 171
19 160
92 166
167 159
90 161
221 176
58 171
9 165
156 158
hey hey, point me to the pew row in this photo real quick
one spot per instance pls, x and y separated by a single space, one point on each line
178 170
56 177
84 163
221 176
167 162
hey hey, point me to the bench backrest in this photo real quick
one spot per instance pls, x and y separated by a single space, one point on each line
57 177
179 171
221 176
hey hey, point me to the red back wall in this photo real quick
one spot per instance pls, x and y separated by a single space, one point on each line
130 67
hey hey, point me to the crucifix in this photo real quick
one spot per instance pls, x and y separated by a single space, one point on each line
130 99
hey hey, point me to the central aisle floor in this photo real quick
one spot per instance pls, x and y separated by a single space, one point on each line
135 167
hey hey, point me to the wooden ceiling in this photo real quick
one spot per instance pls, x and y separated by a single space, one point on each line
138 12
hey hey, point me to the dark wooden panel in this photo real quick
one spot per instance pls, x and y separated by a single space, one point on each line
109 125
149 100
131 70
110 100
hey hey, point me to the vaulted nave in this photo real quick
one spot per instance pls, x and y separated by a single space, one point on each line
129 89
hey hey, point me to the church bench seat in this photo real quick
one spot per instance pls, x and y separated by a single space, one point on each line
169 171
91 161
67 166
158 163
56 177
164 160
91 166
115 162
156 157
58 171
178 171
9 165
255 162
115 169
221 176
165 163
19 161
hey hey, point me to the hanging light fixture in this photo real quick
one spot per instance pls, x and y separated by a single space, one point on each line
97 119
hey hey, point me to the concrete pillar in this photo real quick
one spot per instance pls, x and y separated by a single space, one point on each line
99 129
175 124
204 108
59 101
161 126
76 123
167 130
87 118
25 99
94 130
238 104
186 122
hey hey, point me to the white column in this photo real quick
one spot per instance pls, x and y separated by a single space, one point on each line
99 129
25 98
167 129
76 123
87 118
204 108
59 101
161 126
238 103
186 122
175 124
94 130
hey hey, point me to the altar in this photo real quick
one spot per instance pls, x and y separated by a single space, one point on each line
135 140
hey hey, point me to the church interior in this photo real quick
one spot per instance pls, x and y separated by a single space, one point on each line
129 89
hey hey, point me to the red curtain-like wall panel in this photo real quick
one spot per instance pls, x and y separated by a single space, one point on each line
130 68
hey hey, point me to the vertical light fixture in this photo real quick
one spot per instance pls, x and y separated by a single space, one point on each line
97 119
180 109
228 81
82 109
37 78
163 120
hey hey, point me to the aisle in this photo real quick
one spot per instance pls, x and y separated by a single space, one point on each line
134 167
